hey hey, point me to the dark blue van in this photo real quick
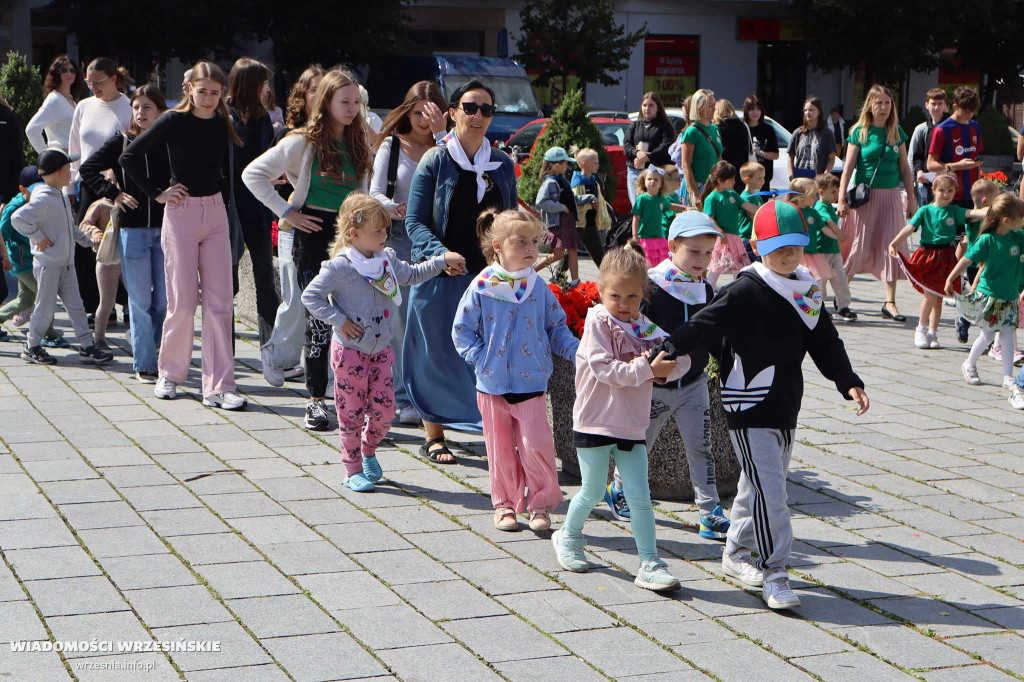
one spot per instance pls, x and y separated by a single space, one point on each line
389 78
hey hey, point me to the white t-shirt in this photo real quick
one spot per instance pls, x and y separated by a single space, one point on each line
93 124
53 119
379 180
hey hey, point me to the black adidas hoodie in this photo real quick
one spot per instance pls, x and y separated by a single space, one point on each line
762 338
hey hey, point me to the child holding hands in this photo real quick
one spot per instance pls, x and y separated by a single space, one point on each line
507 325
357 292
828 246
724 205
615 373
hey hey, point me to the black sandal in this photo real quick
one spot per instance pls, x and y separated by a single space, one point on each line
426 452
889 316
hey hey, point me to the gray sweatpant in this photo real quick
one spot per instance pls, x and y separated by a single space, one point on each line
840 285
760 516
54 281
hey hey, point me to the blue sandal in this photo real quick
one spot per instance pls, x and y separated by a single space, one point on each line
55 341
372 470
359 483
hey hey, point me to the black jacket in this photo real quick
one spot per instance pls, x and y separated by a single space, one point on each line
735 142
751 323
668 312
257 135
149 213
658 135
12 154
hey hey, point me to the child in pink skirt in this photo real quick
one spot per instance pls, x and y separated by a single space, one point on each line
653 201
814 259
723 204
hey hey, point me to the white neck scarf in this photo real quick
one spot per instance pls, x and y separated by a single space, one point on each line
377 271
511 287
802 293
680 285
639 327
480 165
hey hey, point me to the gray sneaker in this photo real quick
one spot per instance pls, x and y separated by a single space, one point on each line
569 551
654 575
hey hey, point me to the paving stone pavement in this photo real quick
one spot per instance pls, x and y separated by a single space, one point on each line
124 518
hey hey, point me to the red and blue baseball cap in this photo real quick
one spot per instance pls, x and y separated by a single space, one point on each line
778 224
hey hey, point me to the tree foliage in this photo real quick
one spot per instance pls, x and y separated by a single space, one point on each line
570 129
22 87
579 37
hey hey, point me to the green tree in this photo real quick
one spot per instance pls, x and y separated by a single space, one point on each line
22 87
574 37
987 42
570 129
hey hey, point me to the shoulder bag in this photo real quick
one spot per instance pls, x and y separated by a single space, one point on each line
860 194
108 253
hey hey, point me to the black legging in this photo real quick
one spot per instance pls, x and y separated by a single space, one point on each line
591 238
309 251
85 261
256 232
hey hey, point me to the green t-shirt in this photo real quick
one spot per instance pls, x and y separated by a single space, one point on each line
871 151
938 223
651 210
972 231
823 243
813 222
328 191
705 154
1001 254
746 222
725 206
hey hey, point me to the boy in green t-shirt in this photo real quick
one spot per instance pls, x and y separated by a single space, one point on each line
752 175
827 239
983 193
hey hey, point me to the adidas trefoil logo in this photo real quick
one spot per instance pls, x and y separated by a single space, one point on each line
737 395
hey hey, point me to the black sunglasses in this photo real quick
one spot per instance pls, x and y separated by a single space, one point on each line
486 110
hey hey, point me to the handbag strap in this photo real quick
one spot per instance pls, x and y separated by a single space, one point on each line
396 147
710 141
881 156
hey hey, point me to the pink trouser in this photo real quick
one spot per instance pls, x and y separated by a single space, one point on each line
364 396
520 453
197 250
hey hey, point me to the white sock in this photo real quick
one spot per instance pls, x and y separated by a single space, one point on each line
1006 338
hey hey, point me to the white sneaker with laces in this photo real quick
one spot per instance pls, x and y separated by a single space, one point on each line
273 375
740 566
970 374
933 340
165 389
1009 382
921 337
226 401
1016 397
777 593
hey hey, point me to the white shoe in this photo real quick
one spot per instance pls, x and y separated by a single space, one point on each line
226 401
273 375
165 389
933 340
741 567
1016 398
970 374
921 337
1009 382
777 593
409 416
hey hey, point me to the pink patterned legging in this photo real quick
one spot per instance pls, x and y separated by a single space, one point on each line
364 396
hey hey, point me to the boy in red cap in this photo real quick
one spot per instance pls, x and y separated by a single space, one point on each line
760 326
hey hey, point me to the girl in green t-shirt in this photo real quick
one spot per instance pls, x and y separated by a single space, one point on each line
653 201
993 303
724 205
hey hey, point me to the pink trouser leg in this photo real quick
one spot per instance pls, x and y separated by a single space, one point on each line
351 377
506 473
218 300
537 453
179 237
380 400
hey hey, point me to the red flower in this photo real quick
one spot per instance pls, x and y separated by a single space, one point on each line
576 302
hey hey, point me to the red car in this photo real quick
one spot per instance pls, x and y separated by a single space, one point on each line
613 132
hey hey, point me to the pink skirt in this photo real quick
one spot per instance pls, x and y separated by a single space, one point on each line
872 227
729 256
819 267
656 249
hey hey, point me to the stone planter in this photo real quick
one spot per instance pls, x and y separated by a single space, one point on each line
669 472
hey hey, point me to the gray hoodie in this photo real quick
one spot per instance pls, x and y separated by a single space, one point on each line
340 293
48 214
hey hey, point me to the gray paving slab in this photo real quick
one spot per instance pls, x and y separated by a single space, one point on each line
858 581
555 611
150 667
450 600
301 488
282 616
438 661
235 505
558 670
302 657
237 648
733 659
248 579
171 522
787 635
32 533
52 562
455 546
973 673
74 596
131 541
100 515
391 627
369 536
320 512
1003 650
478 635
41 666
621 651
213 548
503 576
19 623
334 591
251 673
142 572
120 626
299 558
414 519
851 666
404 566
173 606
159 497
936 616
23 507
905 647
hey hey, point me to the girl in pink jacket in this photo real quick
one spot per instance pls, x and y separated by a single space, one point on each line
615 373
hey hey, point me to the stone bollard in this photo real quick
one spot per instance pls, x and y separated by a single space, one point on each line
668 470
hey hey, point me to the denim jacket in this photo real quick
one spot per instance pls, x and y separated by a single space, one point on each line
431 192
510 344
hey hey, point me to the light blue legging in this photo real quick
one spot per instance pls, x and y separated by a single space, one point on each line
633 469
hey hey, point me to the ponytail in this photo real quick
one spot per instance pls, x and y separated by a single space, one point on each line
723 170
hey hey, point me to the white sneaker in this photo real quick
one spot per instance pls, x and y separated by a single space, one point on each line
1016 398
921 337
226 401
1008 382
777 593
165 389
741 567
970 374
409 416
933 340
273 375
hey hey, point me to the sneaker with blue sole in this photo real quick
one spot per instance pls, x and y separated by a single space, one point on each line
616 501
359 483
715 525
372 470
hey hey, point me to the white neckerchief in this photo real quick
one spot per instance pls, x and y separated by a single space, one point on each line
511 287
639 327
802 293
679 285
480 165
377 271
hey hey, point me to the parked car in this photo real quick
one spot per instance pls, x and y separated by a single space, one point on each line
780 175
388 78
607 113
613 132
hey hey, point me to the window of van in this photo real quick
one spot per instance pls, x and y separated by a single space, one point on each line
512 95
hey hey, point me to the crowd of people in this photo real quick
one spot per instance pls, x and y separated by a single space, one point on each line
409 271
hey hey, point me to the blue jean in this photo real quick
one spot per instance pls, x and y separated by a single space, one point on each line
400 242
632 468
290 321
142 267
924 194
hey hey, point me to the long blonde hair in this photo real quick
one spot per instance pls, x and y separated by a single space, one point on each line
723 110
358 211
204 70
892 136
319 129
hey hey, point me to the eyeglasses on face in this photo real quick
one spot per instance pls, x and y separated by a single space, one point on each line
92 83
486 110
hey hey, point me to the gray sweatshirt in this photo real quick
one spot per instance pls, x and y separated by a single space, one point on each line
340 293
48 214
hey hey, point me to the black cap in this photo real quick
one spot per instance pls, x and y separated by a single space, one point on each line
51 161
29 176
